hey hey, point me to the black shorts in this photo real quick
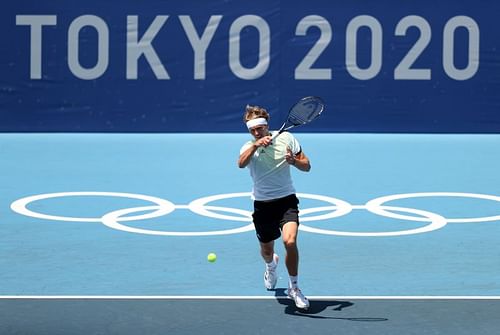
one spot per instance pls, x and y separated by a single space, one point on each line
270 216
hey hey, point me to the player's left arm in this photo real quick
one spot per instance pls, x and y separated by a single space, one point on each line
295 156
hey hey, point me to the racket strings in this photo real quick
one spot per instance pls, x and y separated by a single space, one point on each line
304 113
298 118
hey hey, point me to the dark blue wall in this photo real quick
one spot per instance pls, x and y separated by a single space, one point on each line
130 66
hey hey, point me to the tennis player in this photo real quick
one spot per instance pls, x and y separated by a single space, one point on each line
275 203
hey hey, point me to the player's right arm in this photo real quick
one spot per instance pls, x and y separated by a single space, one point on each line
247 154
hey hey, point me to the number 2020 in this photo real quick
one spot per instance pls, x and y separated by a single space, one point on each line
404 70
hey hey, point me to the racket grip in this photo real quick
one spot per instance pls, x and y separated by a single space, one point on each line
275 135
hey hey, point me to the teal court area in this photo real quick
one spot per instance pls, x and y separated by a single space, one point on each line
393 228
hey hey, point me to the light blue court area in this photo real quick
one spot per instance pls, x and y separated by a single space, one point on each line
136 215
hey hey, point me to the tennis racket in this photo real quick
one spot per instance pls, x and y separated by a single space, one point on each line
304 111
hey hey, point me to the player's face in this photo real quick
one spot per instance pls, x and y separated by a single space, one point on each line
259 131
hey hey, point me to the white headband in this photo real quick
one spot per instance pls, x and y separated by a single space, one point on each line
256 122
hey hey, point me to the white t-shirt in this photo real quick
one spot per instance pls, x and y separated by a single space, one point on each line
269 170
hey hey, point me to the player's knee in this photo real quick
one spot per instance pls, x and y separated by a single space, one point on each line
266 249
267 253
290 243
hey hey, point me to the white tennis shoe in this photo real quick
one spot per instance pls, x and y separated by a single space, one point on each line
300 300
270 275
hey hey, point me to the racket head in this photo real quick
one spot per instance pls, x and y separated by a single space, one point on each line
305 110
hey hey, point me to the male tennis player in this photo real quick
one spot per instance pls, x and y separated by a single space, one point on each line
275 204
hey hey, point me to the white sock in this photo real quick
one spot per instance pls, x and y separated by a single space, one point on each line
293 282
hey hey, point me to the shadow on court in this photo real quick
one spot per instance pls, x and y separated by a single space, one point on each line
318 307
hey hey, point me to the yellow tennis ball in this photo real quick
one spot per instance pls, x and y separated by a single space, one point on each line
212 257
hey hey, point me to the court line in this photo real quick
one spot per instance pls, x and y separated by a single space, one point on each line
233 297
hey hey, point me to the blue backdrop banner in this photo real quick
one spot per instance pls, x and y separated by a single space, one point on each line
193 65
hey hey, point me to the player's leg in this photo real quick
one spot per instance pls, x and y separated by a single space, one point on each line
289 235
267 251
271 259
267 230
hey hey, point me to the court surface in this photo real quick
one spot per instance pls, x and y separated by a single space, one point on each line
399 234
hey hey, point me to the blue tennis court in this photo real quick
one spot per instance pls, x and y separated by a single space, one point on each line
391 219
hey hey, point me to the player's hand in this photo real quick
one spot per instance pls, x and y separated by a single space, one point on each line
264 141
289 156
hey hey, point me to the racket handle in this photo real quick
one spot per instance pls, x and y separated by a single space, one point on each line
275 135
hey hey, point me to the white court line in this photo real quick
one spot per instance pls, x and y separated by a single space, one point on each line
233 297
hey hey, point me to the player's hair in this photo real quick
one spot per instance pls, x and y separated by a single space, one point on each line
253 112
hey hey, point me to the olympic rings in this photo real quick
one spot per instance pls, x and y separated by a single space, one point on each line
375 205
111 220
199 207
437 221
19 206
336 208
